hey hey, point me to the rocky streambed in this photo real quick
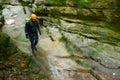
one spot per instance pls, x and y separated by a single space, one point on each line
71 47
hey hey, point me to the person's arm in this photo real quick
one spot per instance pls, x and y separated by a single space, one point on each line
38 28
26 30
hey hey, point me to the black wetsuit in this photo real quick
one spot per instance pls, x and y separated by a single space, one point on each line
31 31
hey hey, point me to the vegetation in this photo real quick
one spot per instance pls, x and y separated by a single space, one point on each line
54 13
57 2
77 3
80 3
6 47
16 65
83 63
117 11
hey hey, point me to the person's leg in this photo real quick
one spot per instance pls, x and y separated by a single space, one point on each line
32 43
36 41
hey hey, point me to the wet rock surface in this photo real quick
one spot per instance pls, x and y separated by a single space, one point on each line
71 47
20 66
17 65
101 60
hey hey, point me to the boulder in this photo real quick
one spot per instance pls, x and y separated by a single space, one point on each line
6 46
12 13
1 21
12 2
9 21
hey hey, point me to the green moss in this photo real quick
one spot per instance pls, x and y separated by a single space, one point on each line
6 46
57 2
100 49
54 13
83 63
1 5
77 3
92 54
117 10
80 3
62 39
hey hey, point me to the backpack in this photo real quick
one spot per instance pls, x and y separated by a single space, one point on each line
27 20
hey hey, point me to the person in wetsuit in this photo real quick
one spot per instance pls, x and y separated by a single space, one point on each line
31 31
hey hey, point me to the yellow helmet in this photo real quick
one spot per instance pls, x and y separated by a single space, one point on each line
33 17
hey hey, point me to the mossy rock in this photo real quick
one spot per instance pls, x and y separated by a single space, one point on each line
57 2
1 21
6 46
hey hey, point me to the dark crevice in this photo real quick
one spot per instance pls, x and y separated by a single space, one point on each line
85 58
83 23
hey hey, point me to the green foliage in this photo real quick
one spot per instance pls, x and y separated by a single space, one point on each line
38 9
1 4
57 2
6 46
117 11
80 3
54 13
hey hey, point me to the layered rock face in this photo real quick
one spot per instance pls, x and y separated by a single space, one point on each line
89 29
80 38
